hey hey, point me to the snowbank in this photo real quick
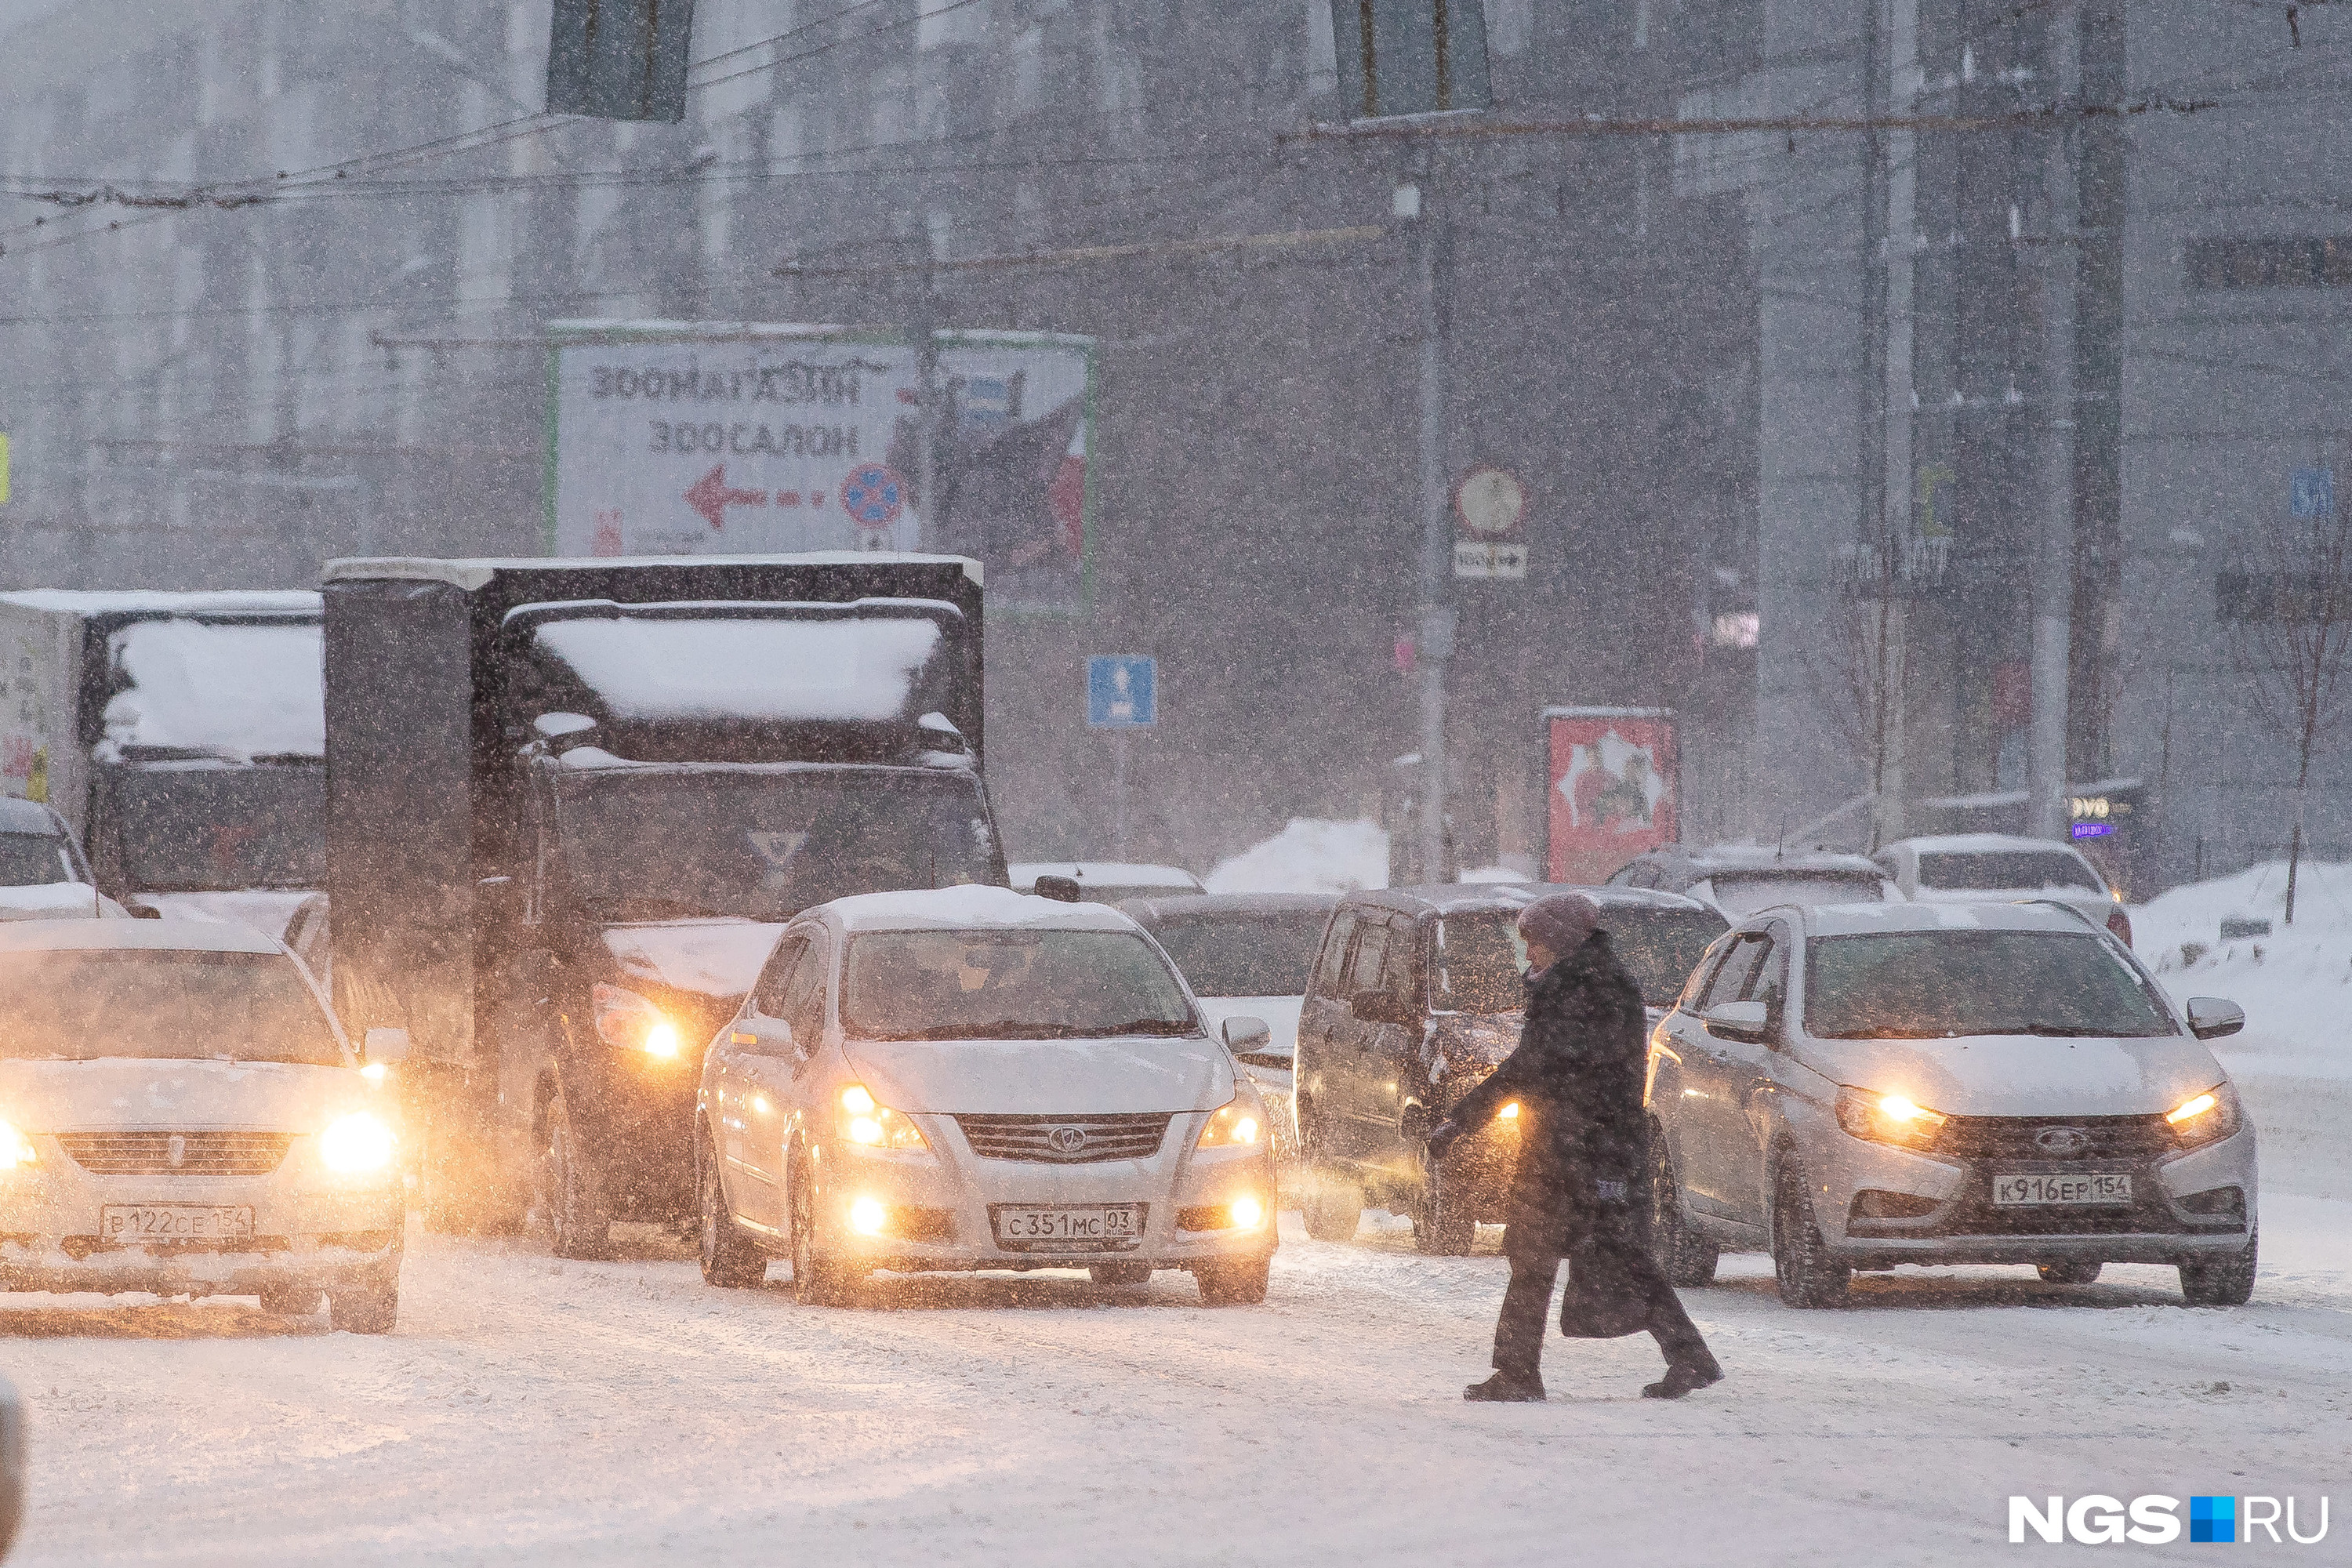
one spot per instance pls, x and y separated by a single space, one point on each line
1308 857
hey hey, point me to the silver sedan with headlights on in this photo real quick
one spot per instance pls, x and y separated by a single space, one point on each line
180 1113
975 1079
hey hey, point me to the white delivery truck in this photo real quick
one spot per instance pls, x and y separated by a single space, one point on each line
182 735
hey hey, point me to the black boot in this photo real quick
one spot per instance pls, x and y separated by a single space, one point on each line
1504 1389
1685 1374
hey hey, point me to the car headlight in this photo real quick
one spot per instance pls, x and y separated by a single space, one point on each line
1237 1124
2205 1118
354 1144
869 1124
15 1148
1888 1118
627 1020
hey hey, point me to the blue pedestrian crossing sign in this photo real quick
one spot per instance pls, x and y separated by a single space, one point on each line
1122 691
2311 493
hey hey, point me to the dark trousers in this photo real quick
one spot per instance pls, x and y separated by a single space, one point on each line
1535 1251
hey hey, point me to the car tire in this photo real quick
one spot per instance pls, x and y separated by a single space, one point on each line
816 1282
370 1308
1443 1226
1234 1284
290 1300
2068 1271
1686 1258
2228 1283
1333 1206
1802 1266
1109 1275
570 1201
730 1259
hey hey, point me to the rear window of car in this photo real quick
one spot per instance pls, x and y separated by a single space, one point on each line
2005 870
1742 893
1479 956
83 1005
1258 952
1008 985
1945 984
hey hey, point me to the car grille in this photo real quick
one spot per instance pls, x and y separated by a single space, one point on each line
1065 1140
2012 1137
199 1153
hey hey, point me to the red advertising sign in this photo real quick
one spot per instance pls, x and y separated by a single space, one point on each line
1614 779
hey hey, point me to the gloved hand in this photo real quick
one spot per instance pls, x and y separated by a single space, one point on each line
1441 1138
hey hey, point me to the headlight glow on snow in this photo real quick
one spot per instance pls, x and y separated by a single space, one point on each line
1888 1118
1232 1125
627 1020
15 1148
2204 1118
870 1124
867 1216
354 1144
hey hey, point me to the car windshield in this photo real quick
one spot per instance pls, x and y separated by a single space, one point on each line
1480 956
1941 984
2006 870
1742 893
35 859
647 844
1254 953
203 827
1008 985
81 1004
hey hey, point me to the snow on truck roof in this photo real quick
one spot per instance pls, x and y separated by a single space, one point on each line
472 573
971 909
165 936
154 602
229 690
747 666
1858 919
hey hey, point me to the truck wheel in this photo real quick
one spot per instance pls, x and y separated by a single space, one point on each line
1333 1206
1685 1257
1443 1226
1234 1284
1808 1276
817 1283
571 1204
2228 1282
729 1259
290 1300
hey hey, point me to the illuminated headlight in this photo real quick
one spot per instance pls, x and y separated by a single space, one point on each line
2205 1118
867 1216
355 1144
1246 1213
1509 1113
15 1148
869 1124
1888 1118
1237 1124
627 1020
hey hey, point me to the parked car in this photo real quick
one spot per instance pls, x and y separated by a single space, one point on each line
184 1115
1966 868
1416 996
1865 1086
1105 882
1741 878
977 1078
1247 955
44 875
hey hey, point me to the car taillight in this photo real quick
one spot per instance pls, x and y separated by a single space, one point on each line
2120 923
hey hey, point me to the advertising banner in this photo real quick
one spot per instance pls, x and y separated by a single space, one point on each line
697 438
1614 780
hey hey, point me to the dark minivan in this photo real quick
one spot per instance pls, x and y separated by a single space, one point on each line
1415 998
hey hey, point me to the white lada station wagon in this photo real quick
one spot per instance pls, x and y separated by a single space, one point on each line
976 1078
180 1113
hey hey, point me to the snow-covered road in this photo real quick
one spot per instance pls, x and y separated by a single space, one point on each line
529 1411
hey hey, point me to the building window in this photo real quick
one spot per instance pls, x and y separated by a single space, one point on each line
1410 57
2276 261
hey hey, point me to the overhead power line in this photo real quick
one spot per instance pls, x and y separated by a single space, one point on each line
1465 125
1285 240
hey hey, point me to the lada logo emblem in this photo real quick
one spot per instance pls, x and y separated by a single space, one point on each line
1067 1139
2062 1139
176 1149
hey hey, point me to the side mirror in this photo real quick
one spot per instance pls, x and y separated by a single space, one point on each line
1381 1007
1245 1035
2210 1018
1061 890
1748 1021
386 1046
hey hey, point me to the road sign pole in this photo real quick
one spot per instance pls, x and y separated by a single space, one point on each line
1437 620
1118 793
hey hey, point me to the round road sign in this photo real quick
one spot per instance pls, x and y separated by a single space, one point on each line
873 495
1491 503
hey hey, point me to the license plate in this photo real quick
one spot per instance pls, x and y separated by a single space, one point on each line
135 1224
2020 1190
1095 1224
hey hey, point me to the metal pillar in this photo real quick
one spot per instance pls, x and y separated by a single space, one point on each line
2054 565
1436 642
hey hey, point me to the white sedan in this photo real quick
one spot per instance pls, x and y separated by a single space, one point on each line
180 1113
972 1078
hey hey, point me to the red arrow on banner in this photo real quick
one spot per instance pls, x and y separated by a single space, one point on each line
711 498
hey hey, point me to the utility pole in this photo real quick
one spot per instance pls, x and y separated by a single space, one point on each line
1893 95
1435 646
2054 567
929 415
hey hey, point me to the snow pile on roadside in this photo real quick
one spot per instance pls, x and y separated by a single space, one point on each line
1308 856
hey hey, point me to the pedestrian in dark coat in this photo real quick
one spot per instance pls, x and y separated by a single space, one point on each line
1583 1173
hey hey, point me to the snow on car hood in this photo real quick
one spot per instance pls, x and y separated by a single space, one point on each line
125 1091
1280 1013
1045 1078
717 957
266 910
57 900
2010 1075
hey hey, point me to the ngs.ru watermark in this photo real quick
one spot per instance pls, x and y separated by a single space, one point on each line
2155 1520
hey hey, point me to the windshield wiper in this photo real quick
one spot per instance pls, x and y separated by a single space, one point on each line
635 906
1160 1026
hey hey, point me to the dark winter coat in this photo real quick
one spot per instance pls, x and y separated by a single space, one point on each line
1577 1075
